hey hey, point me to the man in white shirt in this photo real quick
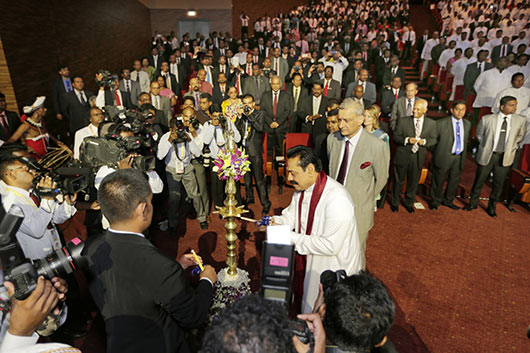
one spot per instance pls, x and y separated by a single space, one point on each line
177 148
447 54
517 90
140 76
338 62
322 215
96 118
490 82
426 53
458 70
520 40
521 66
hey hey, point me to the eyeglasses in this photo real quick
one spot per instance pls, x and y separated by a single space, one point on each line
25 167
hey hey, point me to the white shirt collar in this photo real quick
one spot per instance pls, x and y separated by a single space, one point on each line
124 232
355 138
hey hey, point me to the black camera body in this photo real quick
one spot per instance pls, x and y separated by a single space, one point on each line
107 80
246 110
183 130
21 271
277 272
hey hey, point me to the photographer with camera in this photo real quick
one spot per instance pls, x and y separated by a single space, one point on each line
178 148
109 93
37 235
142 294
250 127
214 134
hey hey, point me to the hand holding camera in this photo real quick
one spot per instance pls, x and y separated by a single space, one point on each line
46 183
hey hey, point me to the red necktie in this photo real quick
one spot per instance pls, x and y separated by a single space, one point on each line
503 50
344 164
275 105
326 89
3 120
300 212
396 94
237 83
118 101
364 56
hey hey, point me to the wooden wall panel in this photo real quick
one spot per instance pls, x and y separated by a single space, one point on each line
85 35
6 86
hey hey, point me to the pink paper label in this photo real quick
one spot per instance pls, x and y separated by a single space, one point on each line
76 241
279 261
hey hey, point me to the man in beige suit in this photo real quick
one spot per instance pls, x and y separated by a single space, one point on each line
359 161
499 135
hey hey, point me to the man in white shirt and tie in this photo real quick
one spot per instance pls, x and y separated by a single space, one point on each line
408 39
490 82
128 86
140 76
76 106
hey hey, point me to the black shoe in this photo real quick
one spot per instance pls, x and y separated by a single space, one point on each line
510 208
266 210
204 225
410 209
433 207
470 208
491 212
452 206
280 189
394 208
249 202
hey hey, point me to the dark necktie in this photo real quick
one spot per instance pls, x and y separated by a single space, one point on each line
3 120
458 147
127 88
82 98
275 105
344 164
409 107
502 137
138 76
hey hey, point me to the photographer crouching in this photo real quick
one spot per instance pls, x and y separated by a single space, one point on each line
177 148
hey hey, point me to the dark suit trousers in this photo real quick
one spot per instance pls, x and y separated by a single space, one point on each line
275 143
499 176
412 172
200 175
217 187
406 50
439 175
256 167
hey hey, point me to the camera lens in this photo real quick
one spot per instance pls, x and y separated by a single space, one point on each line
63 261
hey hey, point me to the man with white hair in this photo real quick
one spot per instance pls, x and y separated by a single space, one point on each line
413 135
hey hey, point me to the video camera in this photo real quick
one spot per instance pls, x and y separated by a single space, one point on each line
24 273
68 180
112 148
107 80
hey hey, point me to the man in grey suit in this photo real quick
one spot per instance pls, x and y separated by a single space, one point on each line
359 161
413 135
256 84
404 105
160 103
129 86
499 135
279 64
449 156
473 71
370 94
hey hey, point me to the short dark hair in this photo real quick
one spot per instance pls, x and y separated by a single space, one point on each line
207 96
319 83
250 324
188 98
329 67
507 99
296 74
76 76
455 103
333 112
121 192
307 156
61 66
248 95
2 95
359 312
332 101
6 161
514 76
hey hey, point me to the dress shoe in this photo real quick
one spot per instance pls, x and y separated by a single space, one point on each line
451 206
394 208
249 201
491 212
470 208
204 225
510 208
410 209
266 210
433 207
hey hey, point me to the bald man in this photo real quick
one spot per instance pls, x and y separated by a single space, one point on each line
195 91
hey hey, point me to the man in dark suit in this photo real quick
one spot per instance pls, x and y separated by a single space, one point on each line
298 92
499 136
9 120
61 85
277 107
256 84
331 87
76 107
381 64
155 59
369 90
473 71
392 71
419 46
178 69
222 67
142 294
501 50
413 135
250 127
220 89
313 116
391 95
169 78
128 86
449 156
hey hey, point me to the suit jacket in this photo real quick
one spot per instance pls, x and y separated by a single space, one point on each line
284 68
334 89
486 130
471 75
304 92
159 61
175 86
445 140
283 111
363 184
254 142
370 95
217 96
182 73
135 90
110 100
496 52
165 106
58 92
78 114
399 110
250 86
13 122
387 75
317 129
405 128
217 69
420 43
143 294
380 67
388 99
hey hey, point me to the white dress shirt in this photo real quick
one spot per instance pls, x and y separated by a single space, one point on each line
156 184
89 130
186 152
214 136
100 99
427 48
338 67
522 94
143 80
488 84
